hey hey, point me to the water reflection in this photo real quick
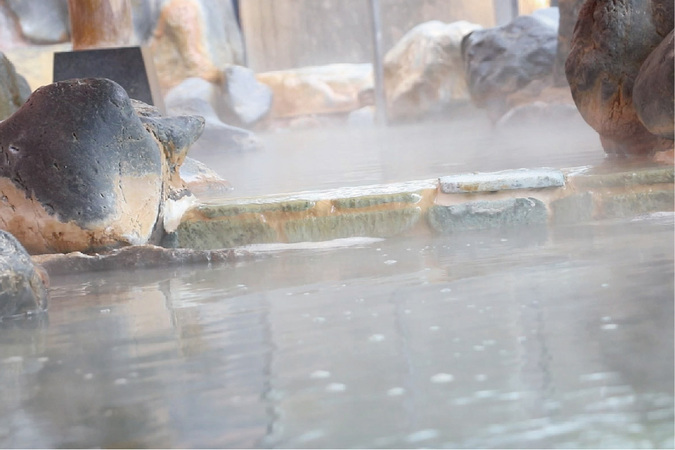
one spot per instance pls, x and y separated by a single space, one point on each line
541 338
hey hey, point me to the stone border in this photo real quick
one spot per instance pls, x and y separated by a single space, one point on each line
445 205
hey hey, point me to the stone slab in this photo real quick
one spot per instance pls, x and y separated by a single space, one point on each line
480 215
503 180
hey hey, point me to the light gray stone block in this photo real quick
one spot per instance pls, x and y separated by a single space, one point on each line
504 180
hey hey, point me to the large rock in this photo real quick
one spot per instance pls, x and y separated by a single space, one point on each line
333 88
245 100
195 38
23 287
611 41
81 171
502 60
653 92
423 72
43 22
196 96
569 12
14 89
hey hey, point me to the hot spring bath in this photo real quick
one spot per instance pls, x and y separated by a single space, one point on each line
528 337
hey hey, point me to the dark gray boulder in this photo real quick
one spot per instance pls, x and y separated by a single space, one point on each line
14 89
196 96
80 170
501 60
653 92
23 287
246 101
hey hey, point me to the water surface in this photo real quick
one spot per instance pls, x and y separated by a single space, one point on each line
530 338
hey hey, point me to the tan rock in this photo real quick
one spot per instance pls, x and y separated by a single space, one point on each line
424 71
195 38
333 88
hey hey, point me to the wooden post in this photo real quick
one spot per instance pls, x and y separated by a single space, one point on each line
378 63
100 23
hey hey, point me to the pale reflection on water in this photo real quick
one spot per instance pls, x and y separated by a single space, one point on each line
532 338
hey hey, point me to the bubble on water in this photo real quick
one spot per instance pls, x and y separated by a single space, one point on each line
422 435
120 381
504 240
478 348
481 377
434 328
88 376
395 392
319 374
43 359
376 338
13 359
319 319
635 428
311 436
441 378
406 311
597 376
522 338
461 401
484 394
446 290
457 354
389 262
242 286
336 387
604 285
488 342
510 396
606 319
347 313
105 310
610 326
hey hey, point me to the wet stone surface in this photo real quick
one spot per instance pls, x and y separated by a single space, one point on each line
484 214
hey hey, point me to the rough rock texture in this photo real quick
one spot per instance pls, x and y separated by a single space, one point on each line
569 12
14 89
653 92
611 41
195 38
137 257
333 88
424 71
23 287
245 100
43 22
80 171
502 60
196 96
202 181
